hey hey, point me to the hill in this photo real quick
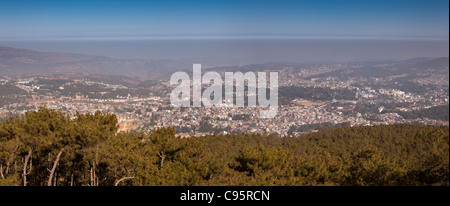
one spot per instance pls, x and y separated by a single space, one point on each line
22 61
438 112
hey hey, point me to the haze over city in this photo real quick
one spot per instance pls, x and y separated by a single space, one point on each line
231 32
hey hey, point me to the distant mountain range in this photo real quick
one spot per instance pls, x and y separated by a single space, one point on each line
22 61
427 63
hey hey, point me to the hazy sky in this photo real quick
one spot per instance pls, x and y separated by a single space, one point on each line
139 19
230 31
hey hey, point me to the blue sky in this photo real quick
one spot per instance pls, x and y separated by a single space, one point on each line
139 19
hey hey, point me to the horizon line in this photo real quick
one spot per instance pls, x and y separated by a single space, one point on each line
222 37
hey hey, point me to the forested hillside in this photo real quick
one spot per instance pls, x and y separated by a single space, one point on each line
47 147
437 112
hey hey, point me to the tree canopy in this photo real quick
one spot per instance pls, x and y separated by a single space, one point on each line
48 147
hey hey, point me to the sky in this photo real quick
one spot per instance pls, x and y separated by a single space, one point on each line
230 32
182 19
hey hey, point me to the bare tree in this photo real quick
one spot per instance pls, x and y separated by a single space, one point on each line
27 159
55 164
122 179
10 159
1 171
162 155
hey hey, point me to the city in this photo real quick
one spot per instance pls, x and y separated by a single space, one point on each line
356 99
